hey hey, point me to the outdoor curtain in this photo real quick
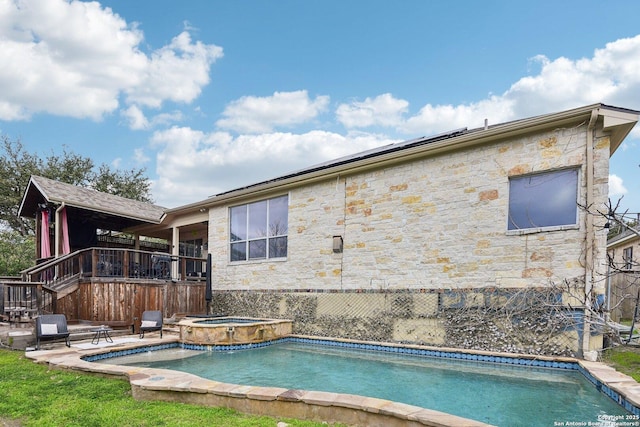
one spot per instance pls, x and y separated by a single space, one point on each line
45 248
65 231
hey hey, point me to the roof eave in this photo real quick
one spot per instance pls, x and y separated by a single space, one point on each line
25 195
614 118
619 124
621 241
33 184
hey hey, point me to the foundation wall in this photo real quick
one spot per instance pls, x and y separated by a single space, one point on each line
530 321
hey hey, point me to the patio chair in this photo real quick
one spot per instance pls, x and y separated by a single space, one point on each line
151 321
50 327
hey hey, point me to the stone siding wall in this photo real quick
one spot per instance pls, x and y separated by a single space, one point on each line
421 228
433 223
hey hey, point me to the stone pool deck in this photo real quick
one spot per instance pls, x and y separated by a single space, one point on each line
168 385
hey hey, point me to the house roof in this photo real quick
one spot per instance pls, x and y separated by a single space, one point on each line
618 122
627 236
106 209
124 213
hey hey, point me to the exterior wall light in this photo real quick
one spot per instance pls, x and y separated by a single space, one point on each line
337 244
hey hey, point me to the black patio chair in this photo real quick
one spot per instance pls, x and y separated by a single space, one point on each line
151 321
51 327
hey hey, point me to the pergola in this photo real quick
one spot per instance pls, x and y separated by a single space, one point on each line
68 217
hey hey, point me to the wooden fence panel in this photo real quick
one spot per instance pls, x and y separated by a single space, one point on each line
111 301
69 306
624 293
147 297
185 298
118 301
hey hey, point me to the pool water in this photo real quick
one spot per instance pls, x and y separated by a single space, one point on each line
495 394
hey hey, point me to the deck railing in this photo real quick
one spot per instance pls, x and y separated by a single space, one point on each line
25 300
117 263
38 291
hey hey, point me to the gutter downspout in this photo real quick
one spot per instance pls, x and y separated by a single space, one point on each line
590 233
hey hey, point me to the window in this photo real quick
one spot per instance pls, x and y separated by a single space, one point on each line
543 200
192 248
259 230
627 257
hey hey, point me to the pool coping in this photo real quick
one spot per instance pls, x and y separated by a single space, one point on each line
163 384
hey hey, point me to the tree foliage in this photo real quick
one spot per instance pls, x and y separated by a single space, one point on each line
16 252
132 184
617 222
17 165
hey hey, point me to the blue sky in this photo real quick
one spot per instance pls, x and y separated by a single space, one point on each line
210 95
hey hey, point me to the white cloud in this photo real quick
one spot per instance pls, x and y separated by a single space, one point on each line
176 72
165 119
193 165
610 76
77 59
140 157
383 110
251 114
439 118
135 117
616 186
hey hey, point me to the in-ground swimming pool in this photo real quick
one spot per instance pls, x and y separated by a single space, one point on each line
495 394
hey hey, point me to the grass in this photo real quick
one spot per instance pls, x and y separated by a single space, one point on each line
624 359
34 395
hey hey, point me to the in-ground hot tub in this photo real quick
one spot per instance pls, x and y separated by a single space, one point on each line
232 330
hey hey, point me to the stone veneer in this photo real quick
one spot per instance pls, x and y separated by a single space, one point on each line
482 319
197 331
429 223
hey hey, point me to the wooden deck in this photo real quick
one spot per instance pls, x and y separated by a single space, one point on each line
107 286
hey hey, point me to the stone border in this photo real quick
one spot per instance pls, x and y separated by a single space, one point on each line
169 385
206 331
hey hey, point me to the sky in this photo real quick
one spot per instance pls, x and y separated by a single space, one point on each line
209 95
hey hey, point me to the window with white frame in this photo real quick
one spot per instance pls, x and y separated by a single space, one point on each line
627 257
259 230
542 200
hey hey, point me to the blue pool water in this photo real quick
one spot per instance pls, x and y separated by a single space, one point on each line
495 394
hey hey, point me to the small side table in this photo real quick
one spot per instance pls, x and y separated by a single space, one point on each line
102 331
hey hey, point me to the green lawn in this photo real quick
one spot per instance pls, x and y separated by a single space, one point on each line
625 359
34 395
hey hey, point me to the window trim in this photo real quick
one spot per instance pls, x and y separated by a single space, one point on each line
247 240
626 259
549 228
